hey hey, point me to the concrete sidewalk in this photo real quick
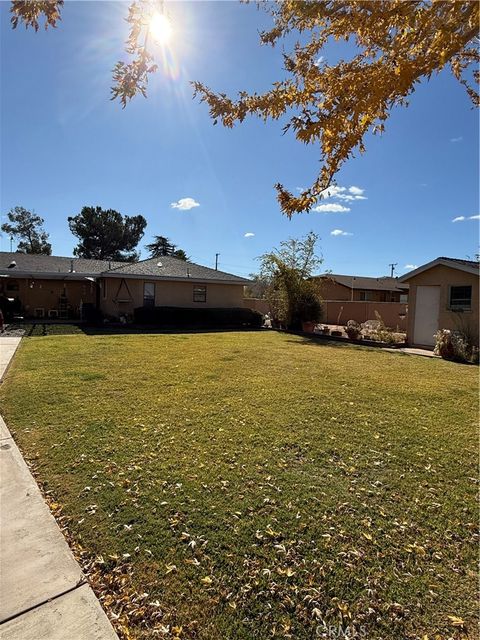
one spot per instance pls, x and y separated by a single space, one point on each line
43 592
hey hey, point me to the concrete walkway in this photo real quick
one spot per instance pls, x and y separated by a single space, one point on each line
413 351
43 592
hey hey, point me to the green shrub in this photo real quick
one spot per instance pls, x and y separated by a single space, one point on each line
173 317
309 307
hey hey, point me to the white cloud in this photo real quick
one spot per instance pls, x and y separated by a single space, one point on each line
318 62
463 218
356 191
249 234
459 139
411 266
353 193
332 207
184 204
333 191
340 232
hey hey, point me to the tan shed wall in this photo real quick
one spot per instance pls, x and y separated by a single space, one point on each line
169 294
445 277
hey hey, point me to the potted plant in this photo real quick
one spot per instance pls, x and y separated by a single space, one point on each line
353 330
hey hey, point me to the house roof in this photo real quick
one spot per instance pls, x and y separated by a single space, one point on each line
33 265
470 266
167 267
366 283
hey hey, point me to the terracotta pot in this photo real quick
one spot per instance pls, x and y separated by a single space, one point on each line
308 327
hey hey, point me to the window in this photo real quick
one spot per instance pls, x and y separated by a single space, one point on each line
199 293
366 295
460 298
148 294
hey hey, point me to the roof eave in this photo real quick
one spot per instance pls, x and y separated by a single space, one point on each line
55 275
434 263
131 276
48 275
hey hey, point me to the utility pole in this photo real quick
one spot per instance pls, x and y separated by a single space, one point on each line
11 244
392 266
216 261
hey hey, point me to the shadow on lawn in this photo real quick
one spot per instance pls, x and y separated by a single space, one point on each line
328 341
40 329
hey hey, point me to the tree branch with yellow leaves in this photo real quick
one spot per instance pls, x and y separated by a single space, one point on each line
395 43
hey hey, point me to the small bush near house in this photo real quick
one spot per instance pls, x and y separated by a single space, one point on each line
309 306
353 330
214 318
455 345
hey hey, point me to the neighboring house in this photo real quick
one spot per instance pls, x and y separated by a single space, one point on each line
443 295
58 287
361 288
363 298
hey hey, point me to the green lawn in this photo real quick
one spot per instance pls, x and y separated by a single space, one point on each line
257 484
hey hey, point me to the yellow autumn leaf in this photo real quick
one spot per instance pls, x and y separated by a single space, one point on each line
207 580
456 621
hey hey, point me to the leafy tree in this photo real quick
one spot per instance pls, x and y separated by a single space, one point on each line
258 287
293 296
396 44
180 255
106 234
161 246
27 226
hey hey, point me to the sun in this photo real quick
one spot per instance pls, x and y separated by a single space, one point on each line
161 28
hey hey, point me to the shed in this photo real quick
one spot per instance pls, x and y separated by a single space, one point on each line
443 294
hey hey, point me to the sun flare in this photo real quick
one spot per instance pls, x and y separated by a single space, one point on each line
161 28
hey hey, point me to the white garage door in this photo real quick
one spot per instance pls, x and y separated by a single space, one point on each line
426 315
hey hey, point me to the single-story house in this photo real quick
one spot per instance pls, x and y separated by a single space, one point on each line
362 288
58 287
443 295
363 298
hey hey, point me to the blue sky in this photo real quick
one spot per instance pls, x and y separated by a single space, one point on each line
66 145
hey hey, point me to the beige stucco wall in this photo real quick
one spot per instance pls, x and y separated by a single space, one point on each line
257 304
393 314
445 277
35 293
167 293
